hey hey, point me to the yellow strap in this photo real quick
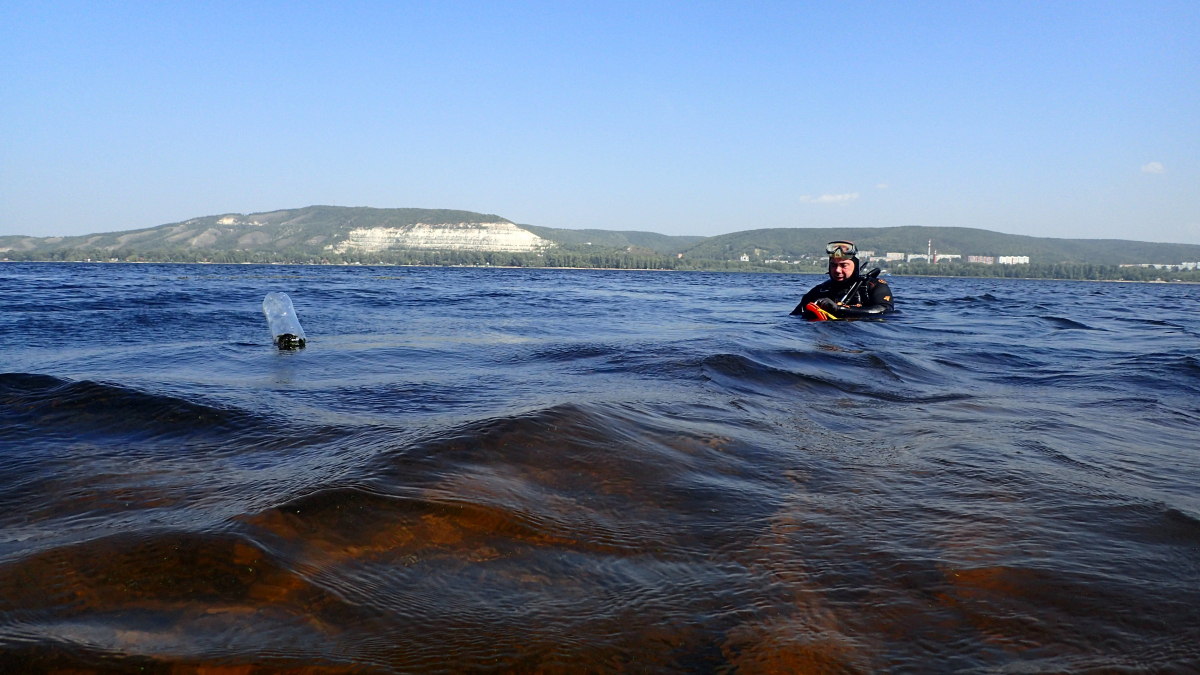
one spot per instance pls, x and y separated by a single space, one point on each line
825 315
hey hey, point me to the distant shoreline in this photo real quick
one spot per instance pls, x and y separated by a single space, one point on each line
467 267
582 269
1096 281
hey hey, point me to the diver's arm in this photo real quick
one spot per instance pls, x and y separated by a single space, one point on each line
879 297
881 294
808 297
856 312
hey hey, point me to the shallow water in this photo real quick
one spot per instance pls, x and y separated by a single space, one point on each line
593 471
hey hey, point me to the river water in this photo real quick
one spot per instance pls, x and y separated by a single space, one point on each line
552 471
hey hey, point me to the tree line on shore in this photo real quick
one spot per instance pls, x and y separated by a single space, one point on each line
590 257
1076 271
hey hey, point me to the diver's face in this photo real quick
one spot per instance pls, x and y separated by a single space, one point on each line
840 269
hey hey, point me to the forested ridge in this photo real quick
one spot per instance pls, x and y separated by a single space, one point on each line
307 235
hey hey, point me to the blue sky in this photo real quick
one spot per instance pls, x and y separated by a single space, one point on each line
1051 119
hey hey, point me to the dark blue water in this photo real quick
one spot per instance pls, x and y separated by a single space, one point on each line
593 471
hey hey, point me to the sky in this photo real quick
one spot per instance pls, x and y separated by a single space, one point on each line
1058 119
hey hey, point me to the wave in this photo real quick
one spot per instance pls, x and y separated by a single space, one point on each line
591 455
965 299
561 352
1162 373
181 596
44 404
1063 323
742 373
495 542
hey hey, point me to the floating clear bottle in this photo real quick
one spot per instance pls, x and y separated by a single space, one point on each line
281 319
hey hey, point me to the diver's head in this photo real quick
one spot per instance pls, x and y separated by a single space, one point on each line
843 260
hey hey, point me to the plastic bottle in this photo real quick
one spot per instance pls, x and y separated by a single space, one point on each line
281 319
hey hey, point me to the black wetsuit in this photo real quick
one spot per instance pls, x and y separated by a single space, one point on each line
872 297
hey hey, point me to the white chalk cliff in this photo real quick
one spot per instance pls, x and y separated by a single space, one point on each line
445 236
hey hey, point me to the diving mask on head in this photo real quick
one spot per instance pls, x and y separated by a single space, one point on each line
841 249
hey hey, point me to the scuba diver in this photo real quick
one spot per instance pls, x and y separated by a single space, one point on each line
847 294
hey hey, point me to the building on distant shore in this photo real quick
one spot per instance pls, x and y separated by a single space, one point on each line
744 258
912 257
983 259
1168 266
1165 266
895 256
938 257
1013 260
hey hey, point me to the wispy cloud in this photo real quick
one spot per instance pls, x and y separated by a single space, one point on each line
830 199
882 186
1154 167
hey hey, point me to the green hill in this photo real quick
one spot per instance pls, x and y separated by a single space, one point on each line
309 229
792 243
314 234
662 243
